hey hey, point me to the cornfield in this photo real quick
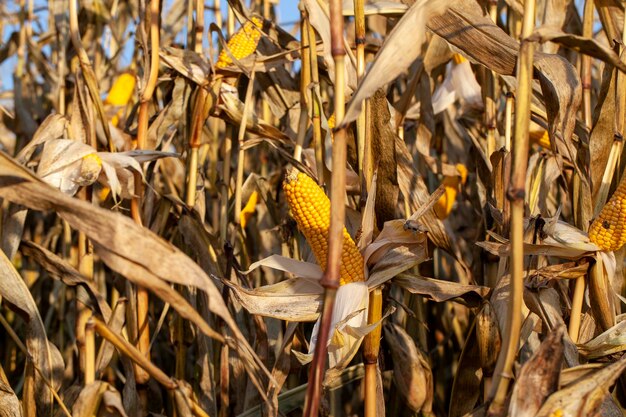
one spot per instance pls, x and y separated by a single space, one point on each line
402 208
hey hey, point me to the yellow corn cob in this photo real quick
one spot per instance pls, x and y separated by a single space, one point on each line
608 230
249 209
541 138
443 206
311 209
331 121
243 43
122 90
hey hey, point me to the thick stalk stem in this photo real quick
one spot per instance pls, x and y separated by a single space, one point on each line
85 65
371 347
330 280
516 194
361 123
579 286
316 119
305 80
90 353
148 91
242 153
143 300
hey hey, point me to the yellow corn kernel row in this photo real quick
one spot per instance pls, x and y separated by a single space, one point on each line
243 43
443 206
608 230
310 207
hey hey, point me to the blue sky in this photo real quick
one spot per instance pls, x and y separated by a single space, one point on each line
287 12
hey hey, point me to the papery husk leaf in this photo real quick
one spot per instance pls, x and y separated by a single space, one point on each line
53 127
349 312
296 299
60 163
487 337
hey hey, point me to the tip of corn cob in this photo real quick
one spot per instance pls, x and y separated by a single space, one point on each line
444 205
310 207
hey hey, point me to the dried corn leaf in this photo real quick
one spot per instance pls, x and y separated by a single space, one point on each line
60 269
440 291
297 299
578 43
131 250
396 54
44 355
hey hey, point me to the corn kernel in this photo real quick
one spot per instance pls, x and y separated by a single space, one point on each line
310 208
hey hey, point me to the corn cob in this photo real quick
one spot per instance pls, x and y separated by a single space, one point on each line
243 43
608 230
311 209
541 138
122 90
443 206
